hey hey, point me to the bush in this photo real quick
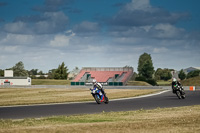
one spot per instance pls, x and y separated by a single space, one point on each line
182 75
140 78
150 81
194 73
163 74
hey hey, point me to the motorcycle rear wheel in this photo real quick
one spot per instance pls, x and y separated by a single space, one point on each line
183 96
106 100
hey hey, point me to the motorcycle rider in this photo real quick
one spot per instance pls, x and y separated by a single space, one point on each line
175 82
98 85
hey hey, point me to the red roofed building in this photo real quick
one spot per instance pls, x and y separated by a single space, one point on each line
105 75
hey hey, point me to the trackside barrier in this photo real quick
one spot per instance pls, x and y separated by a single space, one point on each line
105 84
197 88
192 88
77 83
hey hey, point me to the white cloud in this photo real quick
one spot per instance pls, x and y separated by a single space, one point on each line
16 39
61 40
141 13
139 5
11 49
160 50
168 31
44 41
45 23
16 27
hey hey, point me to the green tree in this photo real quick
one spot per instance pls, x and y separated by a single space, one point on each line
61 72
182 75
19 70
1 73
193 74
33 72
158 74
146 69
51 73
40 73
145 66
166 75
163 74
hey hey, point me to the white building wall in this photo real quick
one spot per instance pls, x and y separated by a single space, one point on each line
8 73
13 81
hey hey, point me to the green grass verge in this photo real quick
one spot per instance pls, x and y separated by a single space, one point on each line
164 83
182 119
27 96
195 81
138 83
50 82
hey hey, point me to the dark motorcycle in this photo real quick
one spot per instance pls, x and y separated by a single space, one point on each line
99 96
179 91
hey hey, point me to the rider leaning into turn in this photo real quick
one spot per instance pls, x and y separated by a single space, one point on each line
175 82
98 85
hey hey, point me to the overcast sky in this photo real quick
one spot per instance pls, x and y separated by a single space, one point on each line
99 33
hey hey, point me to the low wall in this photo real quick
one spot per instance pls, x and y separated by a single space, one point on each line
106 87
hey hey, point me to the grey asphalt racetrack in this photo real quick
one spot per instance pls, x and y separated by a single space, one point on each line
166 99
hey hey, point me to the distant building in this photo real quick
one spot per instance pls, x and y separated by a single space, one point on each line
112 76
9 79
38 76
186 71
190 69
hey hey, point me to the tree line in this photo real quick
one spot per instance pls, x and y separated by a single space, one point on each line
18 70
147 73
145 69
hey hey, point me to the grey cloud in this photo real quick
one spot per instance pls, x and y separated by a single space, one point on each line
2 20
142 18
3 3
53 5
57 2
47 23
133 15
46 8
71 10
31 19
159 31
86 28
118 5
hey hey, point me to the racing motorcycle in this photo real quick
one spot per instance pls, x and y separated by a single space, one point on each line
99 96
178 90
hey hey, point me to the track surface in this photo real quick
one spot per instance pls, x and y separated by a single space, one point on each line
163 100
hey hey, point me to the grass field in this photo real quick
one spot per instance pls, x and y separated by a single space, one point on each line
195 81
166 120
181 119
164 83
137 83
24 96
49 82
